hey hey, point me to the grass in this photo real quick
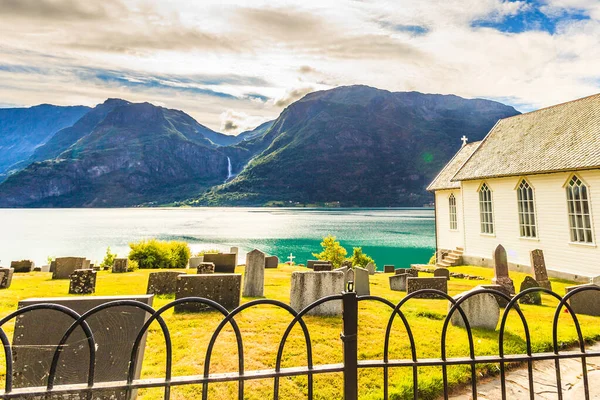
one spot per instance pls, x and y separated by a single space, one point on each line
262 328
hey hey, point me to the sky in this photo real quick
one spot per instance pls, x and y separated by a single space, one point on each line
234 64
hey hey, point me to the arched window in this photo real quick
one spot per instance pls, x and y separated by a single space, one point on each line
452 208
485 209
578 202
527 226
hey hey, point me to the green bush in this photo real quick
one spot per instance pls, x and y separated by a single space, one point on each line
432 260
360 259
159 254
332 251
132 265
209 251
109 258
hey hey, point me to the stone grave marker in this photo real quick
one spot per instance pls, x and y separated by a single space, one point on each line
309 286
120 265
414 284
322 267
194 262
271 262
222 288
83 281
442 272
115 329
236 251
531 298
254 276
538 268
586 302
311 263
502 302
501 270
482 311
389 269
46 268
65 266
6 279
37 269
398 282
22 266
346 263
371 268
359 276
162 282
413 272
205 268
225 263
52 266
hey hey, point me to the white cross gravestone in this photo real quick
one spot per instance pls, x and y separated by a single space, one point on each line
291 259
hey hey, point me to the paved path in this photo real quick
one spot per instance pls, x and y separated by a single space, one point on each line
544 381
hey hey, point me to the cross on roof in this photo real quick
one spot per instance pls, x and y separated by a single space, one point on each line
464 140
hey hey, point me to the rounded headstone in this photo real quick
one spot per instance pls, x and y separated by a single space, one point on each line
531 298
481 310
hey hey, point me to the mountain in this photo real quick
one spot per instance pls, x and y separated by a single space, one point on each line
357 145
137 153
22 130
256 132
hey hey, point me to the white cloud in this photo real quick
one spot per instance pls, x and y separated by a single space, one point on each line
234 122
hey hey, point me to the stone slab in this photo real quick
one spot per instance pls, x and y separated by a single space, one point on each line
120 265
38 332
502 302
482 311
254 274
371 268
538 268
162 283
205 268
311 263
222 288
531 298
83 281
398 282
225 263
442 272
309 286
194 262
586 302
65 266
501 270
360 278
6 279
272 262
413 284
22 266
322 267
388 269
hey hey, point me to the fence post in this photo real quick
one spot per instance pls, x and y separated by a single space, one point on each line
348 336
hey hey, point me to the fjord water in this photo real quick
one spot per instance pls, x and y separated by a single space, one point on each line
399 236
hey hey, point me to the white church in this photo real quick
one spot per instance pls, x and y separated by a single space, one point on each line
532 183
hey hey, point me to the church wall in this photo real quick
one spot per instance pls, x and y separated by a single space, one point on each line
448 239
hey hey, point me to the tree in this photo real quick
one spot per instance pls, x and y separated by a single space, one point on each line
332 251
360 259
109 258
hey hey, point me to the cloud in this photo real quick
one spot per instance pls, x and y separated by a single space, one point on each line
235 122
292 95
59 9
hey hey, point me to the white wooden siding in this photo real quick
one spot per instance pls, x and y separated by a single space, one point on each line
448 239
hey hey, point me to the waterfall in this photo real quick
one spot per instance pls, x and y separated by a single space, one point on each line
229 174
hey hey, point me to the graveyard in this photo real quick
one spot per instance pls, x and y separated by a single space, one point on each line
262 328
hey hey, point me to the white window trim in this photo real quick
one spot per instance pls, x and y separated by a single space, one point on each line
589 198
536 225
492 213
455 213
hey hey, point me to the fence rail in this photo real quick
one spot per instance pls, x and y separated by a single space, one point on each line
349 335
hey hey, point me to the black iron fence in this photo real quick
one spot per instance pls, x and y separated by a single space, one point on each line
349 367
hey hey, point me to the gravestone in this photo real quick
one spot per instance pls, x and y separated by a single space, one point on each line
371 268
501 270
389 269
236 251
205 268
120 265
412 272
322 267
482 311
37 269
538 268
83 281
225 263
311 263
52 266
398 282
65 266
359 276
6 279
162 282
586 302
254 276
45 268
115 329
309 286
194 262
502 302
531 298
442 272
414 284
271 262
222 288
22 266
346 263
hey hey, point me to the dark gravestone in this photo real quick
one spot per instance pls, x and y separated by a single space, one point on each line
322 267
224 262
414 284
7 275
52 266
538 268
412 272
311 263
162 282
222 288
22 266
398 282
205 268
531 298
115 329
442 272
272 262
66 265
501 270
37 269
83 281
389 269
120 265
586 302
502 302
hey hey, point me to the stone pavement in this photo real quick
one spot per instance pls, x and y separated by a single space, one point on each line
544 381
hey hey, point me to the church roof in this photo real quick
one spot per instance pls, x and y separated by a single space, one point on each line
443 180
559 138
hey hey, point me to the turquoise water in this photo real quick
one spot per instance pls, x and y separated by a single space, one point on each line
391 236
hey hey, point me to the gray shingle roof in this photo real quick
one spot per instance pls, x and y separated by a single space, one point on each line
443 180
558 138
